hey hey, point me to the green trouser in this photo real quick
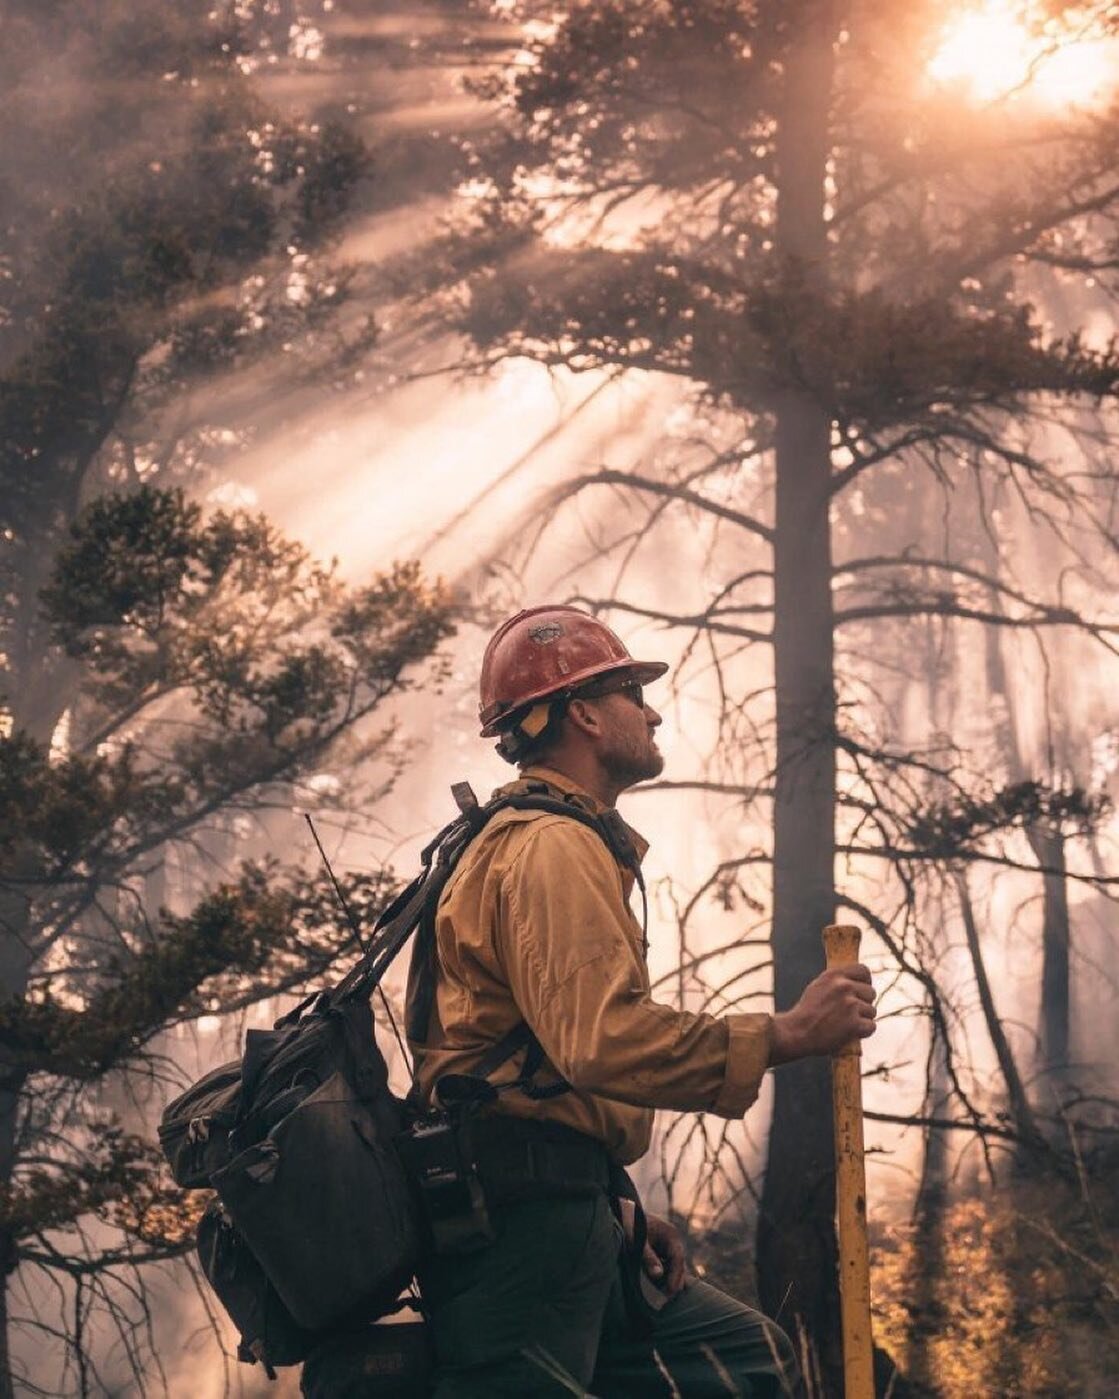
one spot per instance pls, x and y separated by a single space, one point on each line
541 1312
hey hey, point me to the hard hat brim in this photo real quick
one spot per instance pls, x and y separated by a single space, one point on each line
642 672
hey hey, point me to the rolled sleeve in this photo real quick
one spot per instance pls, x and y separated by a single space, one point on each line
749 1042
571 950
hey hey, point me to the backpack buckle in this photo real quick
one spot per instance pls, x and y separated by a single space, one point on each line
464 797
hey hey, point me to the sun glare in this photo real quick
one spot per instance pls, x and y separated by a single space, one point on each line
990 52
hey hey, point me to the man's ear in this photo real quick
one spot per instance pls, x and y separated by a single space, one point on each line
585 717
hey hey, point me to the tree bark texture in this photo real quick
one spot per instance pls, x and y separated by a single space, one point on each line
15 963
928 1259
7 1383
797 1254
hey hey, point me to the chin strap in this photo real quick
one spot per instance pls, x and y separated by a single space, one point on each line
514 742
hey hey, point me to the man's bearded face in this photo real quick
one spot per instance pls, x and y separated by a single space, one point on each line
629 752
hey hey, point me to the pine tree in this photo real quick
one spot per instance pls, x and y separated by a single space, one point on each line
219 668
168 672
871 285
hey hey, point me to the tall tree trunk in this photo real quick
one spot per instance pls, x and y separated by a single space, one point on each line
1020 1110
926 1278
7 1385
797 1256
927 1271
1049 846
15 962
42 687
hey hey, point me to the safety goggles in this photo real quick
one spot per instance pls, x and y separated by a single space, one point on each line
630 688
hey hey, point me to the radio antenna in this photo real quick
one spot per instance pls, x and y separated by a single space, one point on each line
361 942
355 927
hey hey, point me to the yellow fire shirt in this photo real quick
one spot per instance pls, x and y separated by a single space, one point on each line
535 925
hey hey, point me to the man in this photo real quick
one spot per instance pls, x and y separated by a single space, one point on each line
535 929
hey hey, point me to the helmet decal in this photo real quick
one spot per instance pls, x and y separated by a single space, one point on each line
546 633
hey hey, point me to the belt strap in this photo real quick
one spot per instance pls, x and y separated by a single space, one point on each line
517 1157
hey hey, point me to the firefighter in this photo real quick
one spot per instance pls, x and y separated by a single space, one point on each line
535 926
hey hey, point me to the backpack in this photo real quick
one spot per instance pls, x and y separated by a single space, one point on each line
316 1227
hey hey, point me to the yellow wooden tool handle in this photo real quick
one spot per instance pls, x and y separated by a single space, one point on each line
841 945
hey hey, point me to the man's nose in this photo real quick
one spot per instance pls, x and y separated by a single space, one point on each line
652 718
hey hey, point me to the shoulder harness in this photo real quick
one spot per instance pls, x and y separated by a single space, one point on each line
414 910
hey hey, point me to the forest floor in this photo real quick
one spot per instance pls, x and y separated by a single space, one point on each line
1006 1293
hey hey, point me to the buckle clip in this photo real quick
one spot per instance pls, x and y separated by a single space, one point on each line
464 797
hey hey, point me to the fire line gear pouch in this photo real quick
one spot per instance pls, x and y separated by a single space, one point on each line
320 1226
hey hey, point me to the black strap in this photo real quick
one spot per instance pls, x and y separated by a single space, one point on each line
414 909
534 1058
390 932
398 920
638 1309
538 796
474 1088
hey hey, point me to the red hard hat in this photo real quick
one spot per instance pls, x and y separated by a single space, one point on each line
544 651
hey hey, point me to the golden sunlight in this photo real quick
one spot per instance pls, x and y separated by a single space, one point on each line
993 53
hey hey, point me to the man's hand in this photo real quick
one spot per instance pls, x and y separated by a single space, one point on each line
664 1258
835 1008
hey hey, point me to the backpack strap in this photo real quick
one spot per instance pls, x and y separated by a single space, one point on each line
608 826
414 909
475 1087
396 923
400 918
457 1091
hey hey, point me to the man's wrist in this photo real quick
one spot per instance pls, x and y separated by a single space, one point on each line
785 1042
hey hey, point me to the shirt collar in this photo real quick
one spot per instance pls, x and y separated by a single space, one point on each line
538 772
